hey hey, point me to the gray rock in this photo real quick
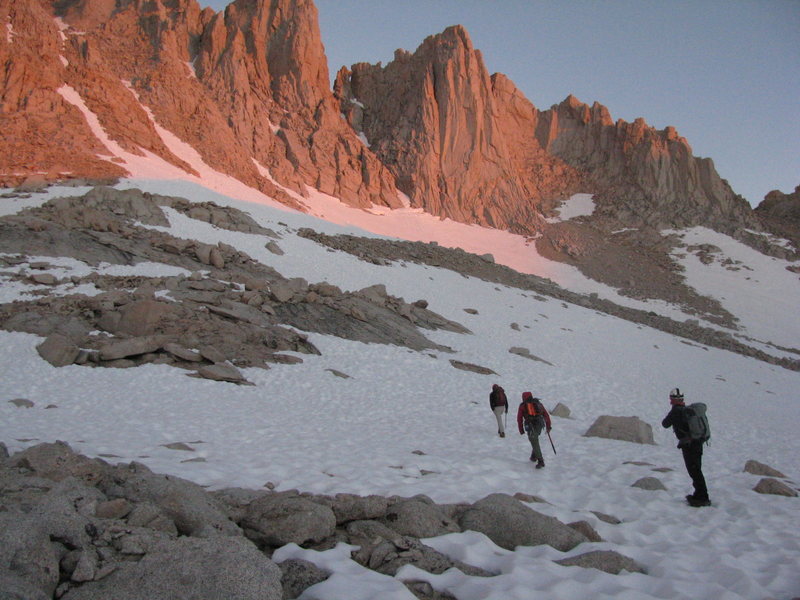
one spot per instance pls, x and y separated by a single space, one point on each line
15 587
510 523
221 372
179 351
3 452
131 347
361 532
22 403
774 486
236 500
147 514
274 248
585 528
375 293
189 506
604 560
561 410
58 350
388 557
350 507
525 353
464 366
606 518
281 292
58 461
419 517
279 519
187 568
628 429
141 318
27 553
44 279
212 354
298 575
649 483
113 509
757 468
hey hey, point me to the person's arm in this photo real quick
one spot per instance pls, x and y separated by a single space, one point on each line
519 420
669 420
547 419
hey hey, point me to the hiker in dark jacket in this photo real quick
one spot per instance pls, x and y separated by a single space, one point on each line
499 405
692 449
532 417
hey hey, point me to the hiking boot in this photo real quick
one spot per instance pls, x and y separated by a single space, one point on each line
540 464
697 502
501 433
533 458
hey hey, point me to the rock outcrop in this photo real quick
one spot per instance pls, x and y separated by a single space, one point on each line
82 529
780 215
91 85
640 175
461 144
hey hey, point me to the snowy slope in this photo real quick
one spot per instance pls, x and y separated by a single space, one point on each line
302 427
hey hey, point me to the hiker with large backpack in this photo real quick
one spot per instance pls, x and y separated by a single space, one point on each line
690 425
499 405
532 417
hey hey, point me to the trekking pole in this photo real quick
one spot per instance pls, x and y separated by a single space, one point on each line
551 443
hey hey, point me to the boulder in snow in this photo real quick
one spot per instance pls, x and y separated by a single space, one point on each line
774 486
510 523
757 468
627 429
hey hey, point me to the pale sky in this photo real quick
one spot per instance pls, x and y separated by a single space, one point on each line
725 73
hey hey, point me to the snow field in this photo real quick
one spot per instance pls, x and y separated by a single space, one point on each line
302 427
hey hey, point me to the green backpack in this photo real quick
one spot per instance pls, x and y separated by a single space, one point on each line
697 422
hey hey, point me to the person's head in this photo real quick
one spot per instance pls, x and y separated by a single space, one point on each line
495 387
675 396
527 396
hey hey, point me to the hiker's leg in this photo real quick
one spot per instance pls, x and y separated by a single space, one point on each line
498 413
693 458
533 436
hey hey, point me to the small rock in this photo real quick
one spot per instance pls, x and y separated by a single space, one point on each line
774 486
757 468
21 403
44 279
604 560
58 350
221 372
649 483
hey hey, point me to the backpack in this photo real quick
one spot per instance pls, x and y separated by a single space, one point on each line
697 422
532 416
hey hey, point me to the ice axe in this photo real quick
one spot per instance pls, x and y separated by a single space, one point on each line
551 443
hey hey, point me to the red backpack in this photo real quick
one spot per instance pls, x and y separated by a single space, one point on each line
533 414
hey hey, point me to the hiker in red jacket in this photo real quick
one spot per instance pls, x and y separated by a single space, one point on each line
499 405
532 417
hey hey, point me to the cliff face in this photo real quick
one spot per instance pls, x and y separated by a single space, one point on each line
247 89
641 175
780 214
460 143
244 86
469 146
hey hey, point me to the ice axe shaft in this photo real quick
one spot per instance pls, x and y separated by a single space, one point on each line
551 443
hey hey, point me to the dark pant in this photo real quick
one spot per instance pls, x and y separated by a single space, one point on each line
533 438
693 457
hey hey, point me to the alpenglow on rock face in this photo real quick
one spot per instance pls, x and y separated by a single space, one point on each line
94 85
247 89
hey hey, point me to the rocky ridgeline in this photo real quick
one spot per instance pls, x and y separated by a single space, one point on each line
248 89
383 252
230 312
